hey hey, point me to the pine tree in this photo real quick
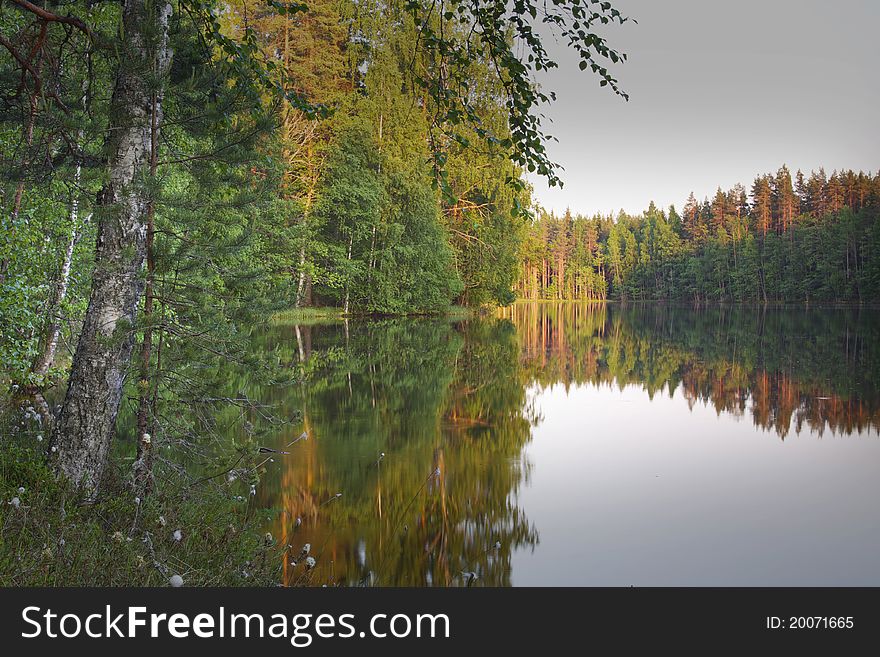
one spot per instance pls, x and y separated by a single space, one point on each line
762 200
816 192
834 194
719 211
783 200
802 194
692 221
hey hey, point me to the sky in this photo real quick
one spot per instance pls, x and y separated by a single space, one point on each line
719 92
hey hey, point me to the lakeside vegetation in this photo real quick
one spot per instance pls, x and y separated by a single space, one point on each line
49 538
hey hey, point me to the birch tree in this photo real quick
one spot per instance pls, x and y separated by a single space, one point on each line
83 433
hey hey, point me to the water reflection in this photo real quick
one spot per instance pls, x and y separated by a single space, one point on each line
447 407
787 369
454 406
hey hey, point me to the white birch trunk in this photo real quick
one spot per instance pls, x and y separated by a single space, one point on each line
81 440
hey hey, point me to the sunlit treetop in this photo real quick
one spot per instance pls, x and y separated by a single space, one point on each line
452 33
455 33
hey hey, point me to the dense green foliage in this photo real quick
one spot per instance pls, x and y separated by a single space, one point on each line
395 199
174 173
392 182
380 227
815 241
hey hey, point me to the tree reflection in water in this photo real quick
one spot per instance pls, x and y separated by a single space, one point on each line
816 367
449 404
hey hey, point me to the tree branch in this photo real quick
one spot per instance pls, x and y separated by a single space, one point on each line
21 60
53 18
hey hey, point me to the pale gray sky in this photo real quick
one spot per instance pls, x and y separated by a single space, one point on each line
719 91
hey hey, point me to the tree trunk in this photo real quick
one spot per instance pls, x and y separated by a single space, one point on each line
560 293
348 276
81 440
143 464
310 195
59 293
301 285
59 290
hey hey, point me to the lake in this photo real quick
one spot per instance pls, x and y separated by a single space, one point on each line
575 444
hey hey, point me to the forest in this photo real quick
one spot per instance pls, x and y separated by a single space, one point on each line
173 173
802 239
304 158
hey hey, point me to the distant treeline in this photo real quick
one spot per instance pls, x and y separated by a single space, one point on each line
811 239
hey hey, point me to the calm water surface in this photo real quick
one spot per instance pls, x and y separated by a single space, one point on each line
596 445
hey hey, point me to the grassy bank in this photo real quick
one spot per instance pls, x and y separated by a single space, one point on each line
330 313
51 537
293 315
